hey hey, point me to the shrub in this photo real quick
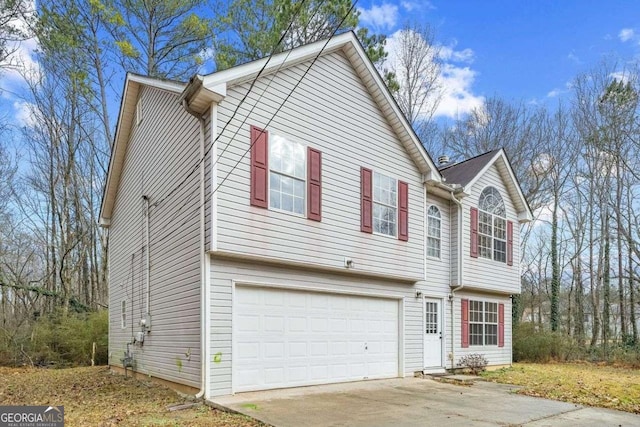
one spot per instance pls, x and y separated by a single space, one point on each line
474 362
58 339
68 339
533 344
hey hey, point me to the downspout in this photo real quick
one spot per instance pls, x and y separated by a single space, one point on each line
204 321
460 276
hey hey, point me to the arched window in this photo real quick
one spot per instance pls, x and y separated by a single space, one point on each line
434 225
492 226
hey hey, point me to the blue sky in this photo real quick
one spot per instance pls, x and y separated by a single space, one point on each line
518 50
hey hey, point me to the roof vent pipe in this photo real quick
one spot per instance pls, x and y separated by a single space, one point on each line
443 160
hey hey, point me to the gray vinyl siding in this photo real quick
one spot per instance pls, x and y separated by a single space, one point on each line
224 272
482 272
437 269
495 355
332 111
161 150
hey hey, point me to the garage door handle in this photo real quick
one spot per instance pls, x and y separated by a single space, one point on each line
366 347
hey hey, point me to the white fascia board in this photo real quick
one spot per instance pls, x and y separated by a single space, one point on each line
433 173
168 85
132 85
247 71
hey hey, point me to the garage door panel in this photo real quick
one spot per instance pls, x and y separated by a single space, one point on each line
288 338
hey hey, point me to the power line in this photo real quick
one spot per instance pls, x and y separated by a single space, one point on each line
219 156
273 52
208 198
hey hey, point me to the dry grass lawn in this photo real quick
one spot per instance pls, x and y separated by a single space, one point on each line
582 383
96 397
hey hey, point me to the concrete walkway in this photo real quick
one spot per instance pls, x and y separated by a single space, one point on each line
415 402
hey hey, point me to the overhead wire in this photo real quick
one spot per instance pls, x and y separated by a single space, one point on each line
188 196
208 198
196 166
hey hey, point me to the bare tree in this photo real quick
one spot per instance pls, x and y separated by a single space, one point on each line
415 60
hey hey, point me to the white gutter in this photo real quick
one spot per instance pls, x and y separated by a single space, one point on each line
204 321
460 276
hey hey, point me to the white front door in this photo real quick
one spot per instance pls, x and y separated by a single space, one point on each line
433 339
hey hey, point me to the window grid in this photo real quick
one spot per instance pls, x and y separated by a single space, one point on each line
492 226
483 323
431 317
287 175
434 226
385 202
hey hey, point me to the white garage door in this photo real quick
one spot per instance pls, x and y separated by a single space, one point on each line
286 338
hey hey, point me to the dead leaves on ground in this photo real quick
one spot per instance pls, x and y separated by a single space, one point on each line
582 383
96 397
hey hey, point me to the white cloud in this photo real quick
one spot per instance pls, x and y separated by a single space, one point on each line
574 58
447 53
455 81
22 60
626 34
458 98
553 93
24 114
410 6
383 17
620 75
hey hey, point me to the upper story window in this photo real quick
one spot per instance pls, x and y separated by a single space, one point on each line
434 224
287 175
492 226
385 204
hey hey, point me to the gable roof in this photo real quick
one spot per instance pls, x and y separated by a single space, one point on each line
464 172
468 172
132 85
202 90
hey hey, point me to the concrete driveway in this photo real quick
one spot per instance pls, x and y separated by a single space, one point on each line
415 402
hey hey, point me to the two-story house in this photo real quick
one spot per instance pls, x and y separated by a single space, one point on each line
279 224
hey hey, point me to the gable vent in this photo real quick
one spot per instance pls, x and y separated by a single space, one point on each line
443 160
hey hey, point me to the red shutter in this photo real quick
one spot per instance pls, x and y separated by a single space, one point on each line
403 211
259 166
509 243
500 325
314 184
465 322
474 232
366 209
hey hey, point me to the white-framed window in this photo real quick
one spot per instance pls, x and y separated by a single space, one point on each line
434 227
483 322
385 204
492 226
287 175
123 314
